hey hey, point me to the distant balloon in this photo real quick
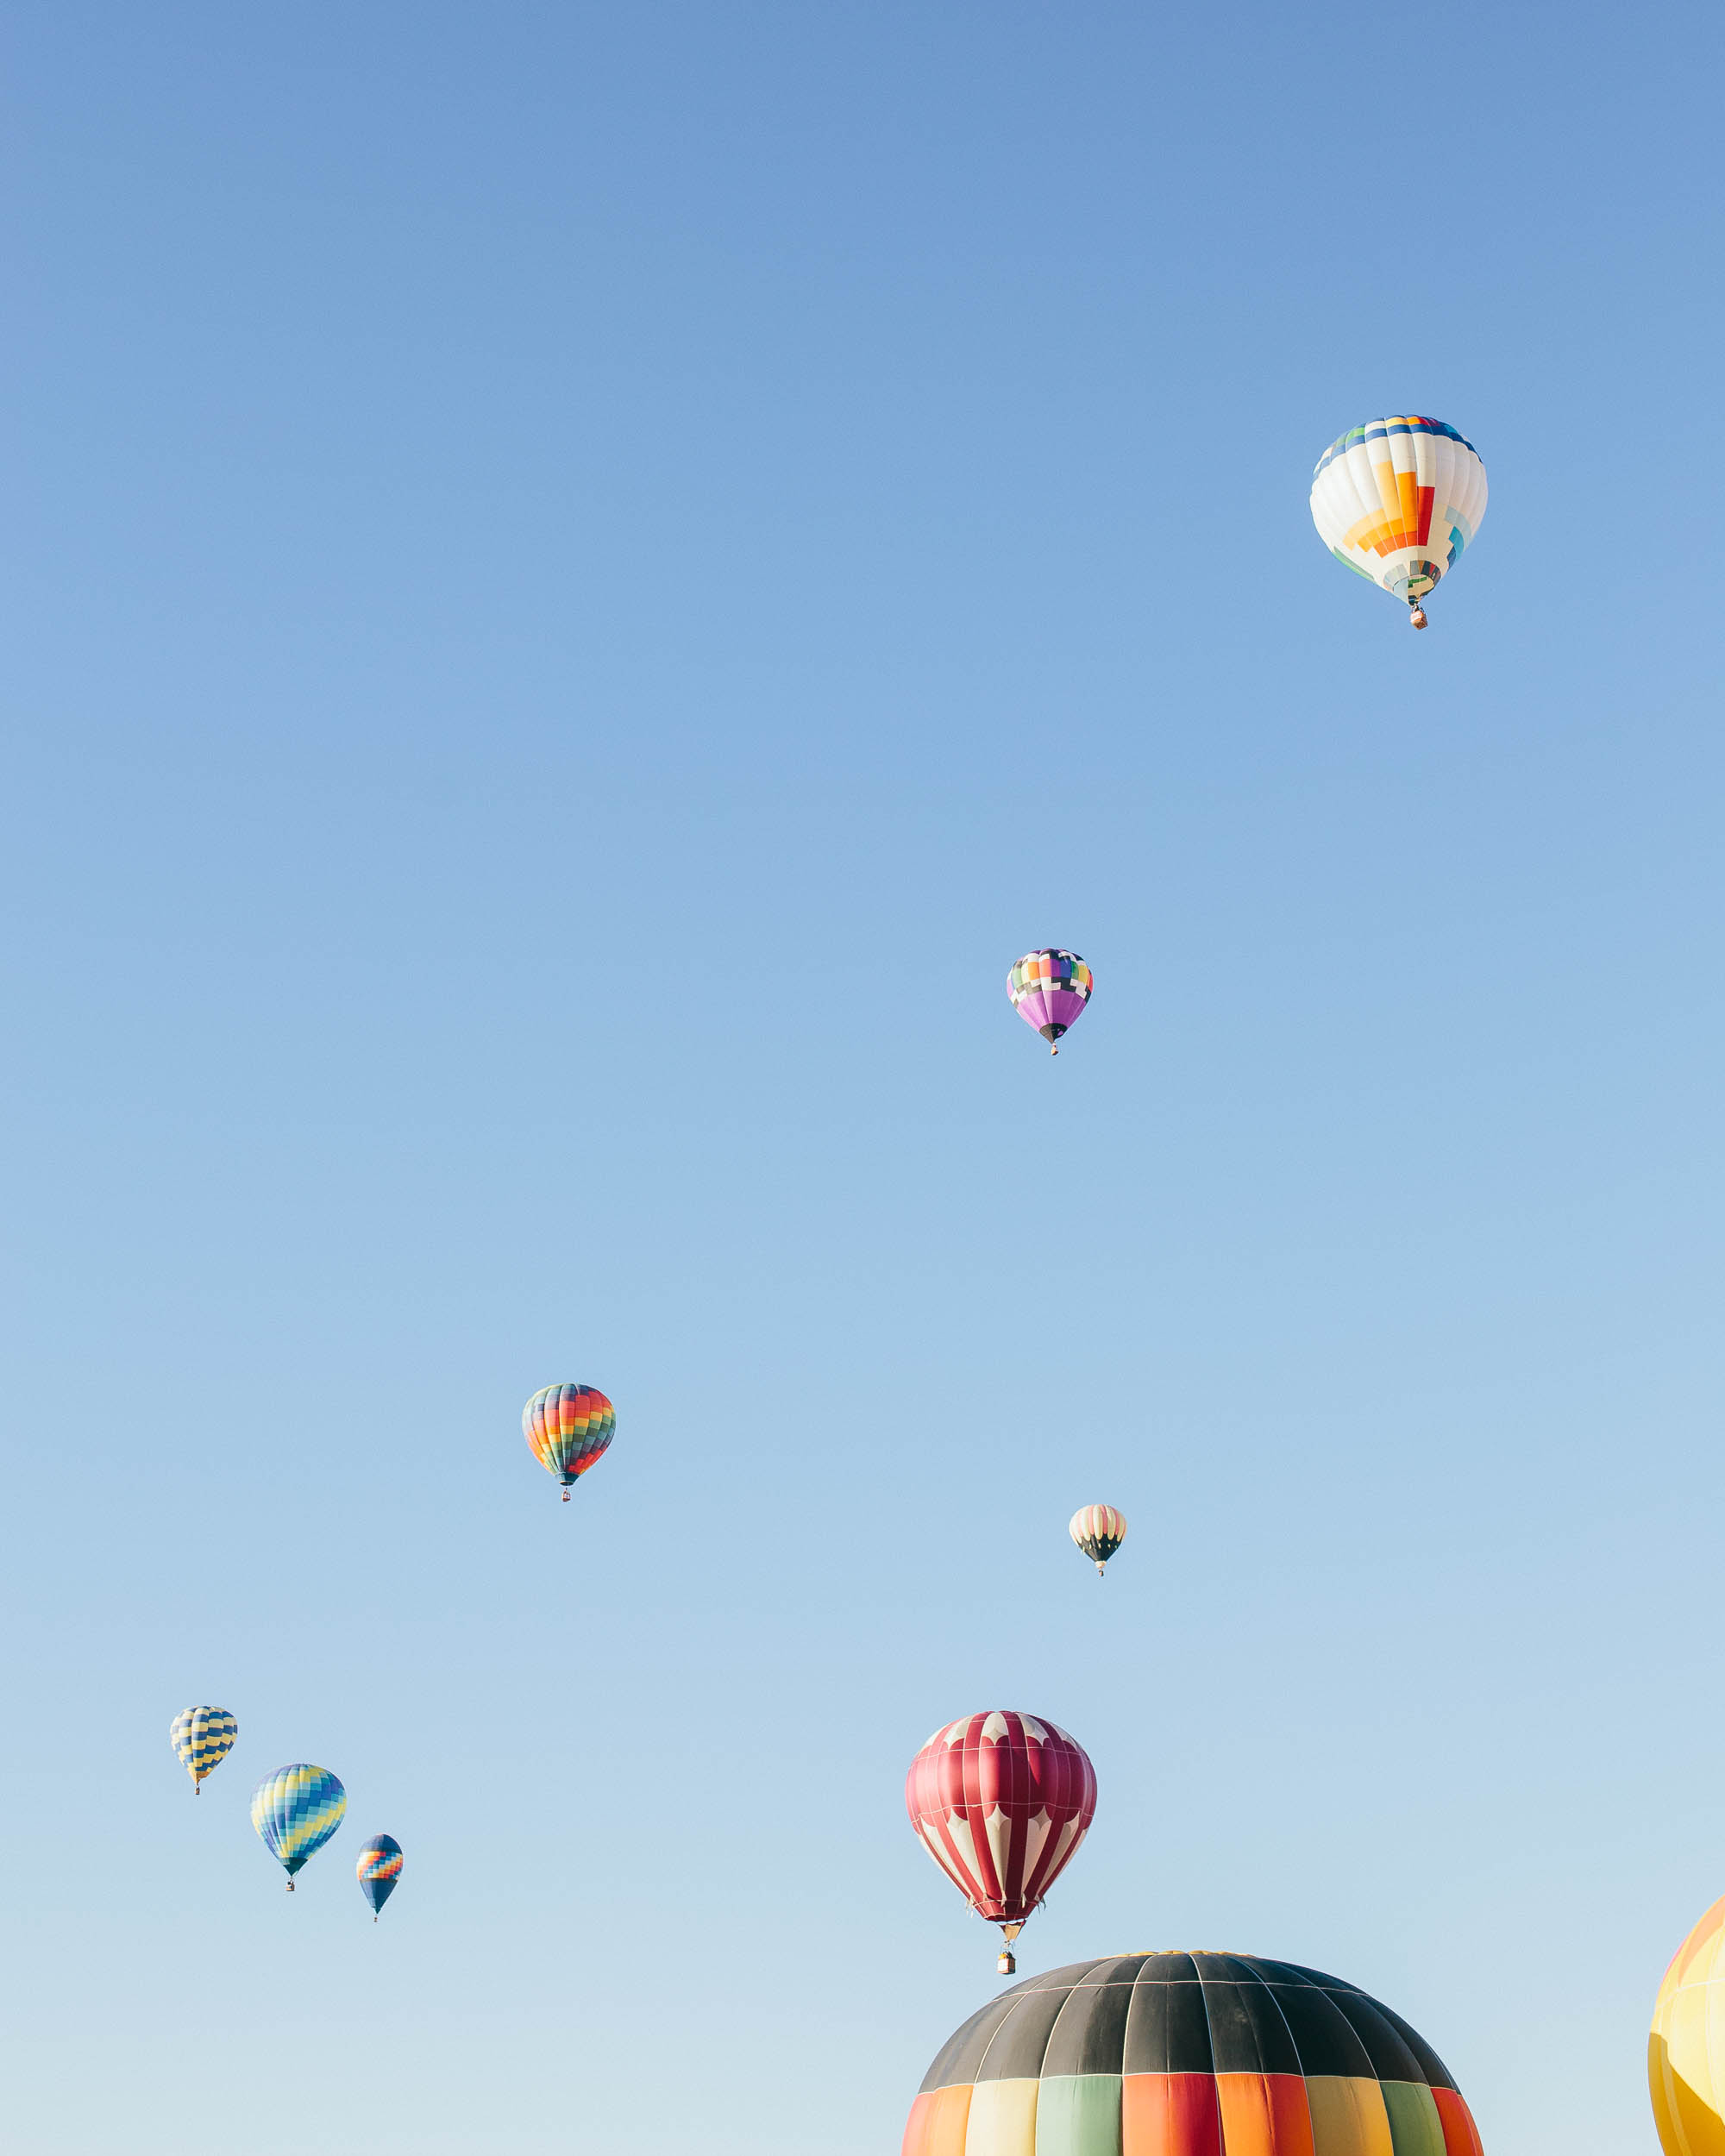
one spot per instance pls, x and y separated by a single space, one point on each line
202 1737
1049 990
378 1870
1099 1531
1396 500
1001 1801
569 1426
295 1811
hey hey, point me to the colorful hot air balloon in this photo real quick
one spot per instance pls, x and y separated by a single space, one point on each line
1201 2054
378 1870
1049 989
1396 500
1001 1801
1686 2050
202 1737
1099 1531
567 1426
295 1811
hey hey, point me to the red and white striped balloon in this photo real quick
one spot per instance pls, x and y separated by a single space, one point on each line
1000 1801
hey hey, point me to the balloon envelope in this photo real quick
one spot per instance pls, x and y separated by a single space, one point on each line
202 1737
1396 500
1178 2054
1049 990
1001 1801
378 1870
1099 1531
1686 2049
295 1811
569 1426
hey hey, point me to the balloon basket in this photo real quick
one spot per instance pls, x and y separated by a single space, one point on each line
566 1497
1008 1966
290 1886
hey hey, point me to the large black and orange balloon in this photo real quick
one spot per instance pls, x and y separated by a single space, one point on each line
1199 2054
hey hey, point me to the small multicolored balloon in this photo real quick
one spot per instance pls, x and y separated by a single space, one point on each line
1396 500
1099 1531
1049 990
202 1737
569 1426
378 1870
295 1811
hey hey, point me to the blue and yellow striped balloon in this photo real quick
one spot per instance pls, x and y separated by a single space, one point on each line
202 1737
295 1810
378 1870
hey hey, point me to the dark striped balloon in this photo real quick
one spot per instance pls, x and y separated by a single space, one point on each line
378 1870
1188 2054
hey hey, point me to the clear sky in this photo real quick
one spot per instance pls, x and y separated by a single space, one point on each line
582 580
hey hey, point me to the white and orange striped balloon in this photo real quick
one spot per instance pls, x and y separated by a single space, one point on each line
1099 1531
1396 501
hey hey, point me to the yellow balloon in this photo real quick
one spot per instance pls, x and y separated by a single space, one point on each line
1686 2051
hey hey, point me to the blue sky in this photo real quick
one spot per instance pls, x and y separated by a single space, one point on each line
583 581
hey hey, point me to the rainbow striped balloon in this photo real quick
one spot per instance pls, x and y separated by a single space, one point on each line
202 1737
1396 501
378 1870
295 1811
1198 2054
1099 1531
569 1426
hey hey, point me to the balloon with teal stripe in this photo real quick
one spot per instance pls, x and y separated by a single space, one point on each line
295 1811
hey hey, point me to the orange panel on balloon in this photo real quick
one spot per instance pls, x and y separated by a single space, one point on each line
936 2125
1264 2114
1169 2114
1461 2135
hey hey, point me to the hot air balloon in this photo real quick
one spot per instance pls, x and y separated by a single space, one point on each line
567 1426
1001 1801
1686 2050
1396 500
202 1737
1049 989
295 1811
1178 2054
378 1870
1099 1531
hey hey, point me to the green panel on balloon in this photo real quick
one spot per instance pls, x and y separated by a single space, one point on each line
1414 2125
1079 2115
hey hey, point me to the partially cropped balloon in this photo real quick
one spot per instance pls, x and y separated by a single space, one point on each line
1191 2055
1049 990
295 1811
1000 1801
202 1737
378 1870
1396 500
569 1427
1686 2048
1099 1531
